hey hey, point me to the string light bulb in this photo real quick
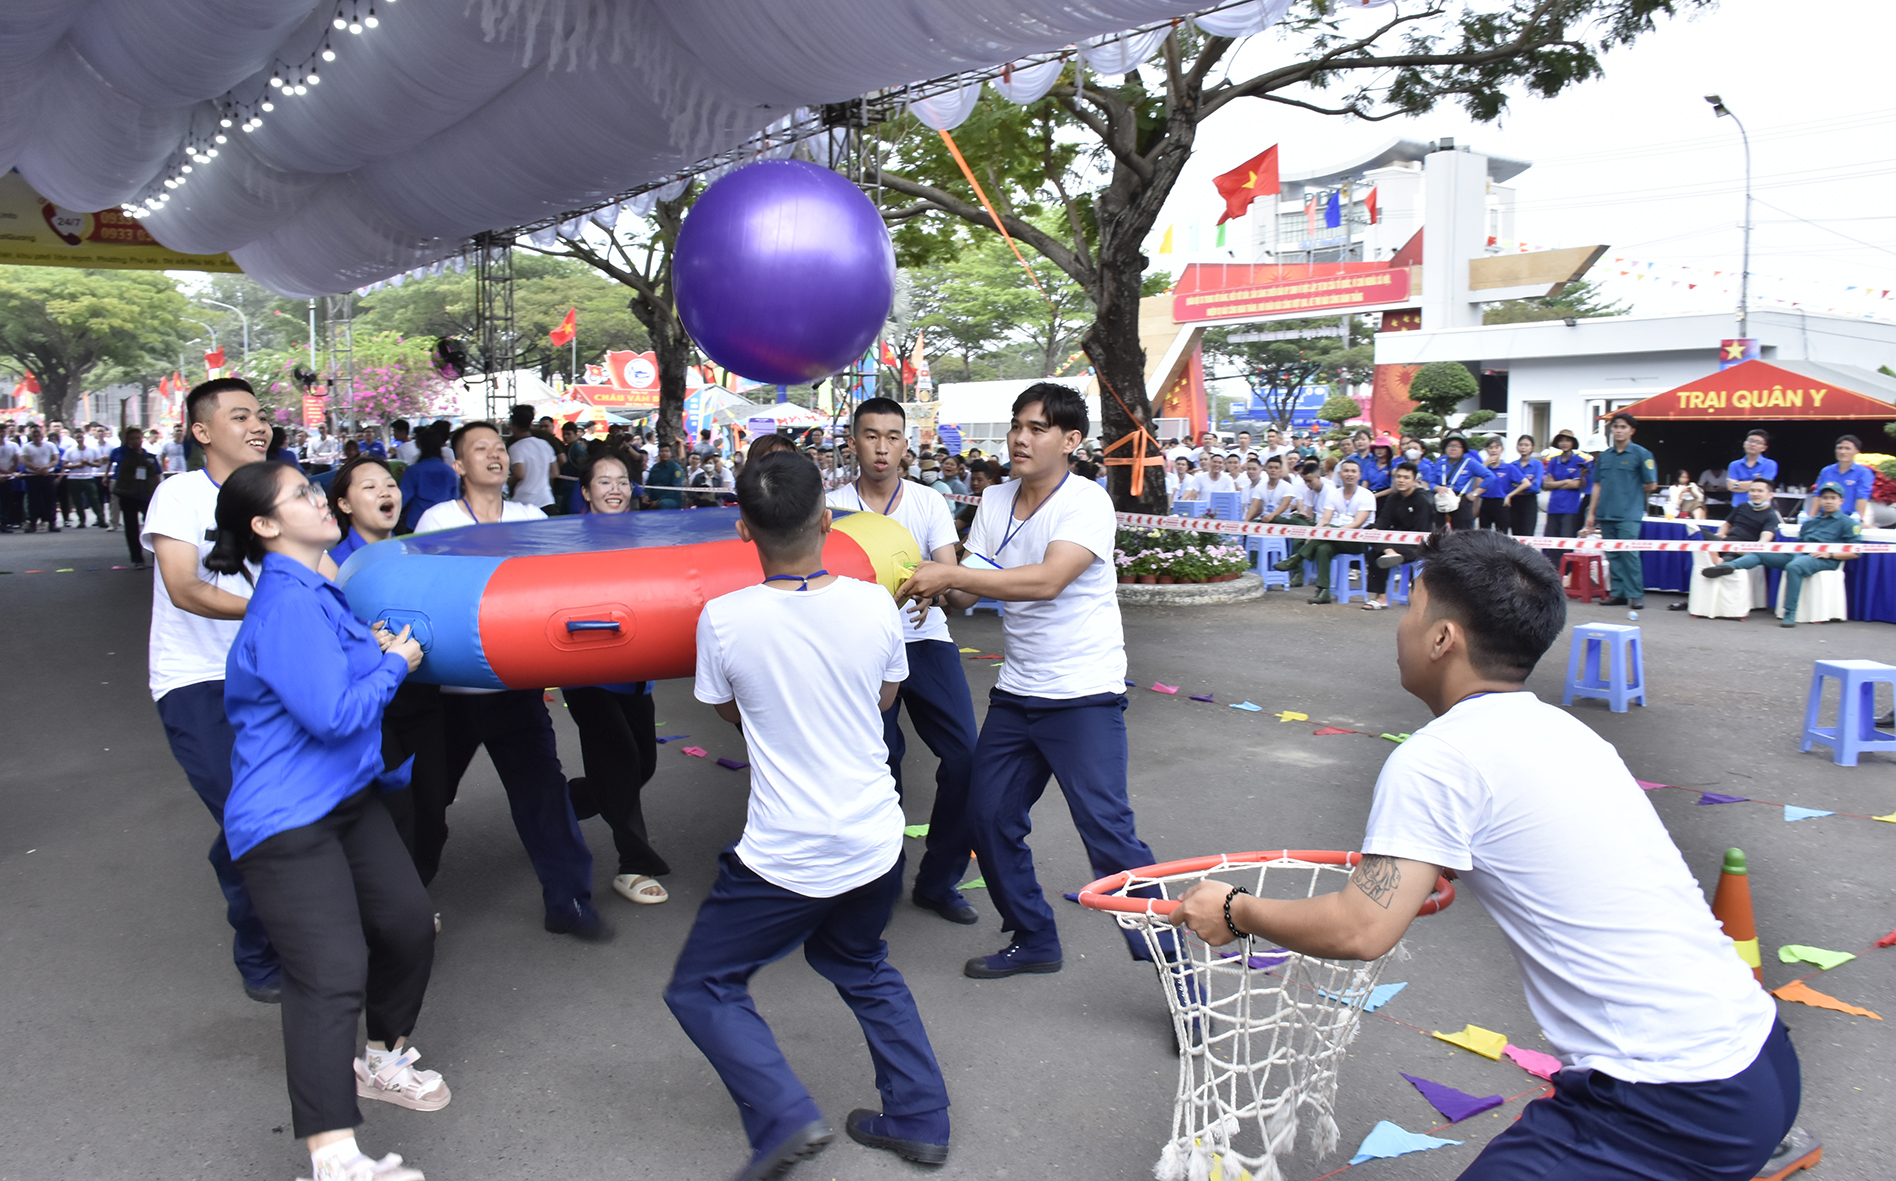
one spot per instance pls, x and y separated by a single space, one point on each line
224 122
339 22
301 89
329 54
355 27
267 105
221 137
276 83
183 168
312 79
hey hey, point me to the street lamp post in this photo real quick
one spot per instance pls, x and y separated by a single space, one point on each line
206 328
240 315
1744 274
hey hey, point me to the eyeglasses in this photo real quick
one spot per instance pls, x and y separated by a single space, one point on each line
313 493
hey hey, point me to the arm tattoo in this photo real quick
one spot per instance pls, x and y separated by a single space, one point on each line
1379 878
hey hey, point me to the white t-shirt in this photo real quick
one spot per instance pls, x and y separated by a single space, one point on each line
1343 509
823 816
1202 484
172 455
187 649
89 460
1308 497
39 455
1626 969
1274 495
928 518
409 452
9 457
536 483
452 514
1073 644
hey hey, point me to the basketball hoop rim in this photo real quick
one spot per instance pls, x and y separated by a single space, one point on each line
1099 895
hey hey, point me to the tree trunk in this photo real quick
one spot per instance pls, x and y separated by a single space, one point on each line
673 349
56 392
1112 343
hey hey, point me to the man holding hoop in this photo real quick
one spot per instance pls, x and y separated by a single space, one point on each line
1043 543
1685 1073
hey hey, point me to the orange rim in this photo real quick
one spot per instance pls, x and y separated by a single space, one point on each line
1100 895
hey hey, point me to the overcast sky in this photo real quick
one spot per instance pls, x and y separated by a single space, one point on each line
1637 160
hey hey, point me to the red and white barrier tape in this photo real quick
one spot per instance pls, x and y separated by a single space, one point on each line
1590 545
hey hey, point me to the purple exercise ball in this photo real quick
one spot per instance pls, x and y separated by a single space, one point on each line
783 272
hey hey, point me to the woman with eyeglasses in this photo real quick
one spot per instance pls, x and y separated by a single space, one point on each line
618 738
305 690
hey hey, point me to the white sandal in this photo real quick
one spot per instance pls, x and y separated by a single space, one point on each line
639 888
398 1082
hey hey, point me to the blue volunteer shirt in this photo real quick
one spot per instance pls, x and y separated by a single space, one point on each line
1375 475
1856 483
1764 469
1505 475
305 686
1459 473
426 483
348 545
1568 467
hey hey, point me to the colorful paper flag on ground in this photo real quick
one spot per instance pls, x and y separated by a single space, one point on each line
971 649
1793 812
1790 953
1889 819
1291 715
732 764
1206 698
1455 1105
696 752
1713 797
1804 994
1248 707
1161 688
915 830
1649 785
1327 730
1533 1061
1387 1139
1382 994
1262 962
1888 940
672 738
976 884
1398 739
1485 1042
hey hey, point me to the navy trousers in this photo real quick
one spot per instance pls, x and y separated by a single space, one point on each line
746 923
201 739
1598 1128
942 712
518 734
1082 741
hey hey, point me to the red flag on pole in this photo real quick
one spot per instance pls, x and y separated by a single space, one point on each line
215 358
1310 216
1247 182
1369 206
569 327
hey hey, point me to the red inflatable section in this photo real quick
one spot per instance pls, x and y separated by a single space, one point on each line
653 595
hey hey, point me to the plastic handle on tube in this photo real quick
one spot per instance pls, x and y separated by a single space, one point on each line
592 625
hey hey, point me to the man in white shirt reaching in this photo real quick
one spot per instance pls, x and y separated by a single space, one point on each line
535 462
1676 1065
1043 543
936 691
1344 505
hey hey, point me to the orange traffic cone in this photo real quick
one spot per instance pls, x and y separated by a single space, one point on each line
1731 906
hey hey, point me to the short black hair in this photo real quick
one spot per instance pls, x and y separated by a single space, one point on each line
202 400
1761 433
461 432
982 466
876 406
1622 416
768 444
1408 466
1309 467
1063 405
781 497
1766 481
400 424
1850 439
1348 462
1506 596
520 417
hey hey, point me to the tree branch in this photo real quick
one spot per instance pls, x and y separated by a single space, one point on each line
1052 248
1351 110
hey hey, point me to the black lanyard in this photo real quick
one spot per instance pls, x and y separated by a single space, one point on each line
802 578
1008 535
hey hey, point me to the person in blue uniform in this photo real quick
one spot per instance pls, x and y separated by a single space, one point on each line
1462 475
305 688
1831 524
819 865
1623 475
1523 499
1377 465
1494 493
1568 479
366 502
431 479
1752 465
618 732
1855 479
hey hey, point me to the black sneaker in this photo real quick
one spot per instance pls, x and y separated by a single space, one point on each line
265 994
1636 604
1321 597
583 923
870 1129
1012 960
1718 571
955 910
800 1145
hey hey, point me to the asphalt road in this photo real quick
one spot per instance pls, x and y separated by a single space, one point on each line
136 1055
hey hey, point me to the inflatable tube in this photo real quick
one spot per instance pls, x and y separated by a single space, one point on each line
584 600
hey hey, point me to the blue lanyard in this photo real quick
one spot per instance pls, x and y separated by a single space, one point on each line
885 508
802 578
1008 535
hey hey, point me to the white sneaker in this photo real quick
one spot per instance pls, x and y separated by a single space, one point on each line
389 1168
398 1082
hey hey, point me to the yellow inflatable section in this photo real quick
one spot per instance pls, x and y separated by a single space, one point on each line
891 549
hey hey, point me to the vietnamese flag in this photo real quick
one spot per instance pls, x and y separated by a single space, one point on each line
215 358
888 356
1247 182
569 328
1369 206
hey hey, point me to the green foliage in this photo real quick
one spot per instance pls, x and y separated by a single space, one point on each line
1476 418
1579 300
394 378
1277 369
1889 428
1420 424
1182 555
1339 408
982 301
64 324
1441 386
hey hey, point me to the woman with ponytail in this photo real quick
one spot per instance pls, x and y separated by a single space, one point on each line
367 504
305 688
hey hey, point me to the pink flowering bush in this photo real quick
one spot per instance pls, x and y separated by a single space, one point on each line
1181 555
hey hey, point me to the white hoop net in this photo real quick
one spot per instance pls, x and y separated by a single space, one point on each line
1261 1031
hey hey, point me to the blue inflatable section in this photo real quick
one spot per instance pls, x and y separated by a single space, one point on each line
572 535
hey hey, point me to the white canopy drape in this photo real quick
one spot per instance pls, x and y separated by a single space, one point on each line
440 122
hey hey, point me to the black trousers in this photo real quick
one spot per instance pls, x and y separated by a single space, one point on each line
12 500
1524 514
355 930
1493 514
618 746
1379 577
132 511
1464 515
42 504
414 726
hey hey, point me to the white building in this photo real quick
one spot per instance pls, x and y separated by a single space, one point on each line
983 409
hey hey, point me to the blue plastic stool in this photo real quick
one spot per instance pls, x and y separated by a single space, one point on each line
1400 580
1340 567
994 605
1270 551
1855 731
1607 661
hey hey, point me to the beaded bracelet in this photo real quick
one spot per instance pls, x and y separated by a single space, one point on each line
1229 925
